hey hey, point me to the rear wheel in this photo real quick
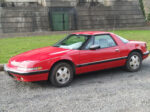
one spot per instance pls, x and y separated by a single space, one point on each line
134 62
61 74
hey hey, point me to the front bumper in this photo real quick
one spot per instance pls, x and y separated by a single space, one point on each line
27 76
145 55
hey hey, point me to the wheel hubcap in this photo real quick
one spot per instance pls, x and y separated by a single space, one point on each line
134 62
63 75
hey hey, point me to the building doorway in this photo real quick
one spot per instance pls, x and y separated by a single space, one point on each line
62 19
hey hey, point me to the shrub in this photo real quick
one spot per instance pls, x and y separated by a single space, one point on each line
142 7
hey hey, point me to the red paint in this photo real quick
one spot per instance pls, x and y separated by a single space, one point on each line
31 78
46 57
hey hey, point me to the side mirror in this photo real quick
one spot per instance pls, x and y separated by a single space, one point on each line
94 47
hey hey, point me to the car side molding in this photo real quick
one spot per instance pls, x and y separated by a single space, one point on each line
103 61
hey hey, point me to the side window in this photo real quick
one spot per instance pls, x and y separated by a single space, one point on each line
104 41
75 39
89 44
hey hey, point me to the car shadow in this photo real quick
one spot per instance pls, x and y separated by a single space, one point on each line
109 73
83 79
98 76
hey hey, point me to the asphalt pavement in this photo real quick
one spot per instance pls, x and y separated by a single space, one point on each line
113 90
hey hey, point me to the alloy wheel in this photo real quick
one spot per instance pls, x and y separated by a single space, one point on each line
134 62
63 75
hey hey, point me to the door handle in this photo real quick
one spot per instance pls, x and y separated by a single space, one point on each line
117 50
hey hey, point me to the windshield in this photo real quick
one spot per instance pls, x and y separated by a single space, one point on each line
72 42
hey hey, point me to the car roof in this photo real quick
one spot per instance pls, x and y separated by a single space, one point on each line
91 32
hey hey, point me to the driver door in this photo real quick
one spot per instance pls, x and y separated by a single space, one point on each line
107 56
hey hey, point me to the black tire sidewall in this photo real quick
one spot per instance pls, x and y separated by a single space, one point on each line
128 60
52 74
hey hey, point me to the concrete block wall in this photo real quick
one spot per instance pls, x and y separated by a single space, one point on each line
91 14
21 0
27 19
146 4
0 20
25 2
110 14
61 3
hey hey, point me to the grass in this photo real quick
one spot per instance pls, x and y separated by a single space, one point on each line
140 35
13 46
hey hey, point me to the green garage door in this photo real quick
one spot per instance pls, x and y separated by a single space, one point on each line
60 21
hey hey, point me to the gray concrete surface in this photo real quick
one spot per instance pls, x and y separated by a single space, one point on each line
112 90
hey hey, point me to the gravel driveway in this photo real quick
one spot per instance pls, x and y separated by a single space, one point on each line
112 90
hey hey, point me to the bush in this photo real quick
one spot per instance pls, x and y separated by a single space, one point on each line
142 6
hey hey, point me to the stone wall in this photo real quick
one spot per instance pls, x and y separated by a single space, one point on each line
24 19
0 20
109 14
89 14
146 6
21 0
61 3
26 2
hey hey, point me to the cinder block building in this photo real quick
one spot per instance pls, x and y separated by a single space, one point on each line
61 15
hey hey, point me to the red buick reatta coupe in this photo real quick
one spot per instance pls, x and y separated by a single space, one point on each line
78 53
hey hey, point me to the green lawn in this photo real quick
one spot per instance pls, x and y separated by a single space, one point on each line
13 46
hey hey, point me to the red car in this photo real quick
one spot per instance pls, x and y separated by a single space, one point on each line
76 54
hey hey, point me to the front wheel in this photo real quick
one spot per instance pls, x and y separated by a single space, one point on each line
134 62
61 74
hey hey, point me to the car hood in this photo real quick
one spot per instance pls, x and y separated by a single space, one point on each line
40 54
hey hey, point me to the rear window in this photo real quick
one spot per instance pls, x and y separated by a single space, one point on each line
123 39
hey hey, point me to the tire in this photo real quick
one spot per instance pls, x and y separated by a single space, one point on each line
61 74
134 62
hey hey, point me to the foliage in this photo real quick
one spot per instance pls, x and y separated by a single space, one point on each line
142 6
